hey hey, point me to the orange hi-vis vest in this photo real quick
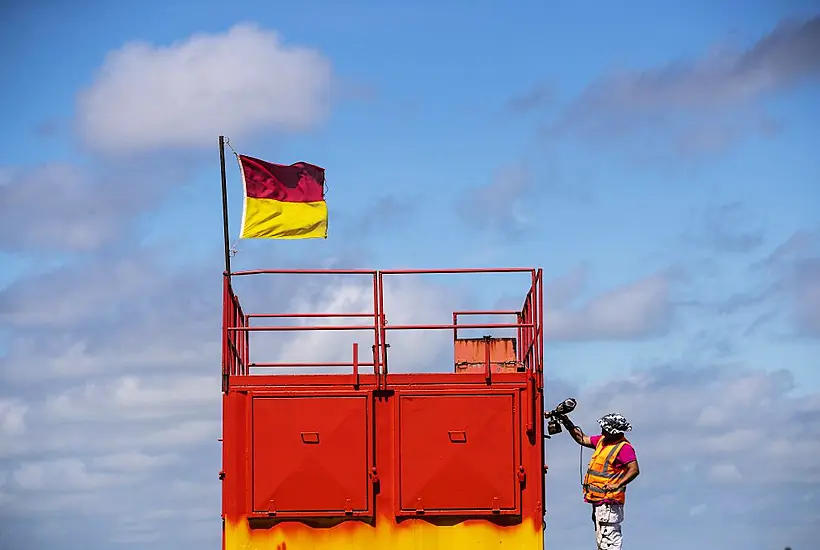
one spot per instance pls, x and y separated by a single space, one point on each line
601 471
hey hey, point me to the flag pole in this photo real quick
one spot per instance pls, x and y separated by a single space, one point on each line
225 206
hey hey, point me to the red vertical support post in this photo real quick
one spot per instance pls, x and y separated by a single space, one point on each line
525 333
240 337
225 371
245 347
520 351
376 337
523 329
229 365
243 340
487 369
530 331
541 323
383 336
237 360
356 364
535 313
533 376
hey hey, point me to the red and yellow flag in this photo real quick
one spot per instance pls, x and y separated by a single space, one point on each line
283 201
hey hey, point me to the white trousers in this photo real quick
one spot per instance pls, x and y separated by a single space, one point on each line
607 519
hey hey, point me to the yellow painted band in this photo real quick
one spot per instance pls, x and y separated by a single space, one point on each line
412 534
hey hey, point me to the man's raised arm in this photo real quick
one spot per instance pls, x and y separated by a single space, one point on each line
576 432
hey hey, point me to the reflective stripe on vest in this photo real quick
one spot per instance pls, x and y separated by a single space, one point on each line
602 472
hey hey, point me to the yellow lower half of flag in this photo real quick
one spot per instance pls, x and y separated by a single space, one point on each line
272 219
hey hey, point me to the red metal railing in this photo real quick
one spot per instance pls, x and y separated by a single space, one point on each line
235 349
237 324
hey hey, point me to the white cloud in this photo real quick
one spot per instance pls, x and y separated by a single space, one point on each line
725 472
95 318
236 83
408 300
697 105
133 397
12 418
77 293
71 207
502 204
60 207
60 475
806 296
134 461
635 310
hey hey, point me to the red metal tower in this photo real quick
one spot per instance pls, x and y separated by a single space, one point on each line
372 459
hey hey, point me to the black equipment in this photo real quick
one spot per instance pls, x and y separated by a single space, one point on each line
554 416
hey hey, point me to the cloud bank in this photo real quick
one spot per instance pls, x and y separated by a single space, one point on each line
236 83
693 106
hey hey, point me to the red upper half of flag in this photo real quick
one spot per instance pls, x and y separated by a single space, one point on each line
299 182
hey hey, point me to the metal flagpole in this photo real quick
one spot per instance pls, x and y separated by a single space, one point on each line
225 206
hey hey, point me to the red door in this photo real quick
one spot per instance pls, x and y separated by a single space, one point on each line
311 455
458 453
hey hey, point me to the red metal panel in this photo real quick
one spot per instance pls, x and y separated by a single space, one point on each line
458 453
470 355
312 455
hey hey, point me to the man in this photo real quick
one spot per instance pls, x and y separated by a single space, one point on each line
612 467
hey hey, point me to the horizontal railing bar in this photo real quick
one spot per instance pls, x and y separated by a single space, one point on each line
307 315
307 327
288 365
488 312
458 326
383 272
457 271
312 315
304 272
387 327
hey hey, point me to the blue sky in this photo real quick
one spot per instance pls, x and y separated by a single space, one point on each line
655 160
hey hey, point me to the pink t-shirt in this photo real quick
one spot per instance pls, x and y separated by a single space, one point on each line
625 455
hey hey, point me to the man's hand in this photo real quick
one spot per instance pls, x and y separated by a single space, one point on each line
611 487
632 471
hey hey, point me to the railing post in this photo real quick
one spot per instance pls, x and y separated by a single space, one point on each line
356 364
376 333
488 370
225 323
382 332
520 351
540 325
